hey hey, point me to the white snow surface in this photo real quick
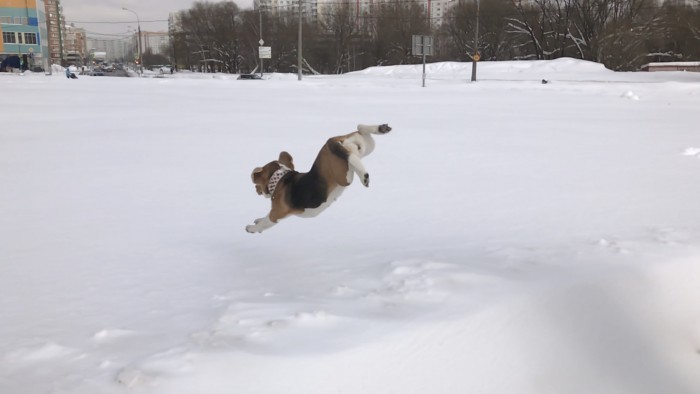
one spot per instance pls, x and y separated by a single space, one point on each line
516 237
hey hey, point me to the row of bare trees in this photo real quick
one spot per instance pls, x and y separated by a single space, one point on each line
622 34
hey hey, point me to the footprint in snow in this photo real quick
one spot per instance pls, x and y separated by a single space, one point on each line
612 246
111 334
629 95
131 378
41 353
692 152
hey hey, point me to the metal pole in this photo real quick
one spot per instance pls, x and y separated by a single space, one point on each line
261 39
138 21
424 66
299 46
476 43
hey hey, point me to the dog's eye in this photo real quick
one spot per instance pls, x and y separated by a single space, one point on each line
256 171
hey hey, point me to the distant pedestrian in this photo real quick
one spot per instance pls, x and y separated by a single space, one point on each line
70 75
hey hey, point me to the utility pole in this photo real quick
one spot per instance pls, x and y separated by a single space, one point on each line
476 56
140 51
173 45
60 32
138 21
299 45
261 42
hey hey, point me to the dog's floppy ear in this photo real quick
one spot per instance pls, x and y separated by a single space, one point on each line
286 159
255 172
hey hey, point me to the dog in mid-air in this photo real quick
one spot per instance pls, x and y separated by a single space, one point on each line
308 194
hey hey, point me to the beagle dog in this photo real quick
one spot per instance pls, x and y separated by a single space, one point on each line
308 194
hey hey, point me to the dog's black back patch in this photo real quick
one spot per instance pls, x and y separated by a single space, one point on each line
306 190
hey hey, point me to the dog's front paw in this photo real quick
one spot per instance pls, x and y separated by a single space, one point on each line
384 128
365 180
261 224
252 228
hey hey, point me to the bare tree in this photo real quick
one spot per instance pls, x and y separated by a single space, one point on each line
546 27
458 31
678 36
621 42
211 34
392 26
610 31
339 25
622 34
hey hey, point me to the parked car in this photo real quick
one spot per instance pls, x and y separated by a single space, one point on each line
161 69
249 76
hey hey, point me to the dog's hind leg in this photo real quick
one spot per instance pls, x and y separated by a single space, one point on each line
373 129
359 168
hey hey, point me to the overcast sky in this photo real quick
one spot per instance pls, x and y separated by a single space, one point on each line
82 11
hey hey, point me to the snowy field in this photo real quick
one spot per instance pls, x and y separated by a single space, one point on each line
516 237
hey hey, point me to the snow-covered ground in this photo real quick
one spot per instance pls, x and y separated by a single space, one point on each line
516 237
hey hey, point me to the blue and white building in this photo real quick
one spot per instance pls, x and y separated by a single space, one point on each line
23 32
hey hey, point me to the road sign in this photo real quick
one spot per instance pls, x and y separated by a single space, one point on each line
422 45
477 57
265 52
261 42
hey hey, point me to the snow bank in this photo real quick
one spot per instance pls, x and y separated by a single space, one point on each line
562 69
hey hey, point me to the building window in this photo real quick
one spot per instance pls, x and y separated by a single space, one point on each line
8 37
6 19
30 38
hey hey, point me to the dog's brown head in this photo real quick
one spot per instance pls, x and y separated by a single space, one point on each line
261 175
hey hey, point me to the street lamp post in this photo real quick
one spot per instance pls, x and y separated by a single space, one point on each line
138 21
60 34
476 56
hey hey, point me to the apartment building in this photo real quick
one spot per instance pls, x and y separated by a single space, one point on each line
309 8
74 46
23 33
434 9
55 26
117 50
155 42
437 10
